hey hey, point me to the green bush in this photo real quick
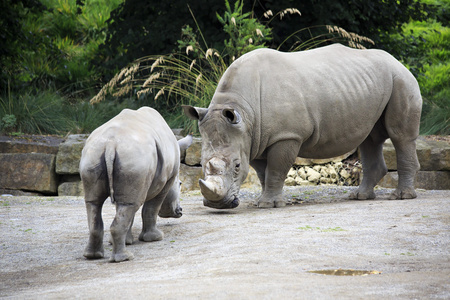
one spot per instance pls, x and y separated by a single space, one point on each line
191 76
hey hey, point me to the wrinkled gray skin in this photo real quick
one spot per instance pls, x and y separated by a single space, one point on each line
134 158
270 107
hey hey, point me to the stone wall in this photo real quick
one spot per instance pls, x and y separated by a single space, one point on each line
28 166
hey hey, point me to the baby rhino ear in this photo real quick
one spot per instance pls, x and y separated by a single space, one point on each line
194 113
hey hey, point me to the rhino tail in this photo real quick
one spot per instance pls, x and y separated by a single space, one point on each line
110 156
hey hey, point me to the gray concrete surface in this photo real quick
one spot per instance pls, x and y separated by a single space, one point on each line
245 253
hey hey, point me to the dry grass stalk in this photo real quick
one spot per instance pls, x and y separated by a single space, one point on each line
189 48
290 11
268 14
157 62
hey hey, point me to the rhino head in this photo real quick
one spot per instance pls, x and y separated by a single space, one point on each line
170 207
225 153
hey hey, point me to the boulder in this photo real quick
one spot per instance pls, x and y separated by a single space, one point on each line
69 154
432 155
28 171
74 188
194 153
30 144
189 177
430 180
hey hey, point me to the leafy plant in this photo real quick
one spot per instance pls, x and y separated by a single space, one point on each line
191 77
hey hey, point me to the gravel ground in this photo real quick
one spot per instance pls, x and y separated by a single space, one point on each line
244 253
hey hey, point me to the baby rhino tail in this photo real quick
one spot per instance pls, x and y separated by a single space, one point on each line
110 156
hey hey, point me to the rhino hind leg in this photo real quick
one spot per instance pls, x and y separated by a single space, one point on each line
407 167
94 248
374 167
150 232
119 231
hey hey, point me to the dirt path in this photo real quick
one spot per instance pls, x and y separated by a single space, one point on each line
245 253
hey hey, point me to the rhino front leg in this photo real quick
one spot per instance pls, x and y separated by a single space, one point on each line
94 248
407 167
260 166
119 231
280 158
374 167
150 211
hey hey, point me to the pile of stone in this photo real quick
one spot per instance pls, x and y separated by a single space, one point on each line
337 173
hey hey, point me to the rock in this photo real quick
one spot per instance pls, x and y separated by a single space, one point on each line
69 154
302 173
312 175
71 189
344 174
432 155
430 180
28 171
30 144
302 182
8 192
194 153
251 180
290 181
189 177
292 173
332 172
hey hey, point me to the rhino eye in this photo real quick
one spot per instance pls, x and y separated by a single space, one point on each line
232 116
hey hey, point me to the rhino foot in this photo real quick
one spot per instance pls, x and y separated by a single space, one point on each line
358 195
94 254
408 193
262 203
118 257
151 236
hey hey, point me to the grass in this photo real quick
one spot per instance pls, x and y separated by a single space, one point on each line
310 228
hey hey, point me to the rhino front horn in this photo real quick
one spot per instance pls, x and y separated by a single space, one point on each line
212 189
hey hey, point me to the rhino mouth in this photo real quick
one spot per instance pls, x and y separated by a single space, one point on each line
232 203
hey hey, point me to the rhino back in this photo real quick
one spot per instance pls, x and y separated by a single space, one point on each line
331 96
144 145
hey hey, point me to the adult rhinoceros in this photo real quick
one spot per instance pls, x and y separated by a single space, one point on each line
270 107
134 158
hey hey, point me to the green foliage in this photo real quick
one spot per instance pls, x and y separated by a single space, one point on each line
434 63
192 78
49 113
133 34
245 33
54 44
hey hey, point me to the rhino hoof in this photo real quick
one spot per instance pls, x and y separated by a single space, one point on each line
94 255
361 195
151 236
265 204
403 194
280 203
91 254
118 257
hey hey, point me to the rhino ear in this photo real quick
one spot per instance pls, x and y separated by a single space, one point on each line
185 142
194 113
232 115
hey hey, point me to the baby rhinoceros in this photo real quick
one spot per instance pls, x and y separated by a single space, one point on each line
134 159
